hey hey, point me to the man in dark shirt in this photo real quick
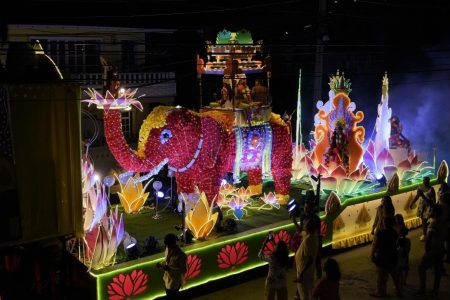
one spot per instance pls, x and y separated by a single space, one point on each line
434 250
384 255
259 92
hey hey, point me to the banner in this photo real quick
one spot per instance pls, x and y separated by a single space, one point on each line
10 227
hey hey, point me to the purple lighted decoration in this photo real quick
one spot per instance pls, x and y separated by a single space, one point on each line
254 142
125 99
109 181
157 185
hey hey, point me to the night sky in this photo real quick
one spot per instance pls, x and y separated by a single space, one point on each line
408 39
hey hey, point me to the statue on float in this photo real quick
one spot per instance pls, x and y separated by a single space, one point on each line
397 139
337 135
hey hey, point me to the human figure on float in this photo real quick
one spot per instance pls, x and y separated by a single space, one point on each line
337 134
397 139
201 148
337 153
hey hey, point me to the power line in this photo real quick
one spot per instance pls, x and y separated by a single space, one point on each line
188 13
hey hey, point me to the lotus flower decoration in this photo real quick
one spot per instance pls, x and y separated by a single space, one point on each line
132 195
270 200
95 207
226 190
103 232
300 163
281 235
123 101
201 220
87 175
410 169
232 255
127 286
237 206
102 241
377 159
189 199
222 201
337 179
243 193
194 265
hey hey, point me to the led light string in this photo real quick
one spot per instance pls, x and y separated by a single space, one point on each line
191 163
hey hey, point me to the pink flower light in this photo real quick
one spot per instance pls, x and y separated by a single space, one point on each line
281 235
127 286
232 256
194 267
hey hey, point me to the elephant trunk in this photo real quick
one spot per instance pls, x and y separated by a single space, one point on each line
118 146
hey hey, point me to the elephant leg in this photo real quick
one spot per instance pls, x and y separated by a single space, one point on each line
255 181
282 182
185 184
281 163
209 183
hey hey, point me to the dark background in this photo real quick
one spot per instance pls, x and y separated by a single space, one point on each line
409 39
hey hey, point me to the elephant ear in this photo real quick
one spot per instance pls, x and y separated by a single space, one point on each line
212 139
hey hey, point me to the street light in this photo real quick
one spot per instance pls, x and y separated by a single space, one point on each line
157 185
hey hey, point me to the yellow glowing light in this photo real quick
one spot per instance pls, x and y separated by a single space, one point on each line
201 220
282 199
132 195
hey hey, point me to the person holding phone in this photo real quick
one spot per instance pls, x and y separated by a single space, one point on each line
174 266
278 264
427 197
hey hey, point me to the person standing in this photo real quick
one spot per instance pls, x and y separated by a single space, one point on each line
434 251
385 210
242 93
174 266
305 259
427 197
278 264
259 93
328 287
403 249
309 213
444 203
384 255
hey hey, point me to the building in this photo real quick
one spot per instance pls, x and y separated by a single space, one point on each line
84 54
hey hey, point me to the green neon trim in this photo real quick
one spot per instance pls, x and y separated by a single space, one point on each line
102 278
369 197
98 284
210 278
215 245
346 203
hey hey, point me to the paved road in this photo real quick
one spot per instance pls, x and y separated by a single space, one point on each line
358 278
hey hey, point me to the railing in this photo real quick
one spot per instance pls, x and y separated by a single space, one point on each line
96 79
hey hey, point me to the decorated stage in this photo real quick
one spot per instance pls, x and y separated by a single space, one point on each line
233 174
228 255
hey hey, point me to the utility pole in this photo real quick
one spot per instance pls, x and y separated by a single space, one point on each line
318 69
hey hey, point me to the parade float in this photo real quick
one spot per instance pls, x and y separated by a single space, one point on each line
235 167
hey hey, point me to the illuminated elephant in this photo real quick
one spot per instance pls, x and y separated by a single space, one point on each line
201 148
